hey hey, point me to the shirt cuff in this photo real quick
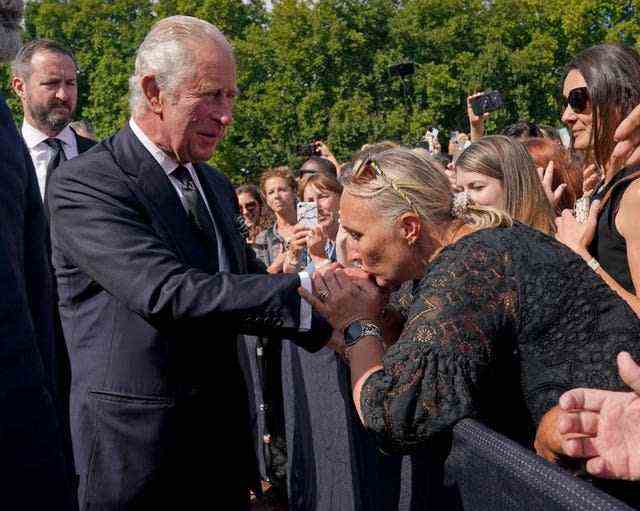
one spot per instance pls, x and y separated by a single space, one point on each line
305 307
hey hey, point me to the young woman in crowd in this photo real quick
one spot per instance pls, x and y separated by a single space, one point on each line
496 309
601 87
318 245
497 171
278 187
560 169
253 211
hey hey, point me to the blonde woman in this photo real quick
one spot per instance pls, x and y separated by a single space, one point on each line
500 319
498 171
278 187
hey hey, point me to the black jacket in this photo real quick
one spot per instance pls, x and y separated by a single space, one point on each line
32 466
157 397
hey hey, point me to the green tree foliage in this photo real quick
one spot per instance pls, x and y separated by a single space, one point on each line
319 69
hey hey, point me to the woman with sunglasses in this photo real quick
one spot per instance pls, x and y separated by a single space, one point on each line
500 319
601 87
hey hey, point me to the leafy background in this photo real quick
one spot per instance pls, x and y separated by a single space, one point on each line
319 70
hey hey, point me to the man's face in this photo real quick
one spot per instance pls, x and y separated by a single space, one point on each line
49 95
196 114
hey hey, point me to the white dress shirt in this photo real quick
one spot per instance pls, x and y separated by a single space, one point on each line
41 153
168 164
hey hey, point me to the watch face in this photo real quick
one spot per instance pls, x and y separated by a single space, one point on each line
353 333
359 329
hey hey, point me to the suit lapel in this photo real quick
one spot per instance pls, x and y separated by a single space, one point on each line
231 240
156 190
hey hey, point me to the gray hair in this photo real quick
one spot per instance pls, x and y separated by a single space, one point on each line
411 183
10 17
21 65
167 53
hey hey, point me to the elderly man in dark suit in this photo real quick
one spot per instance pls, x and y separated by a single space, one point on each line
32 466
154 284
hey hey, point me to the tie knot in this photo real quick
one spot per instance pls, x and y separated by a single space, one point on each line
54 143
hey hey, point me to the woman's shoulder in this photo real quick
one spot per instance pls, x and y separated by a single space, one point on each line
497 241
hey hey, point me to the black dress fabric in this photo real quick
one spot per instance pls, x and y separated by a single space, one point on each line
608 246
504 321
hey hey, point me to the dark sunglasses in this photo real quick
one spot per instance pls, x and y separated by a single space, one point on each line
578 100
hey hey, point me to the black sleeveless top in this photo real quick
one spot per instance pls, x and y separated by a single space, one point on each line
608 246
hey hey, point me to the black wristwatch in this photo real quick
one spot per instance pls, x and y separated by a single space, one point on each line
359 329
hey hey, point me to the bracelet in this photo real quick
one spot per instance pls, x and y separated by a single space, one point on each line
593 264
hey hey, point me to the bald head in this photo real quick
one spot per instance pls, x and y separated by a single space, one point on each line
10 17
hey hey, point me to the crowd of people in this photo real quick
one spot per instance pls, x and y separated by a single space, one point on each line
155 320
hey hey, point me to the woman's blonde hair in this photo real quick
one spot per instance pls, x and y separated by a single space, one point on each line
507 160
399 181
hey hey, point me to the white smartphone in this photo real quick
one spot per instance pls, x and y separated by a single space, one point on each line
308 214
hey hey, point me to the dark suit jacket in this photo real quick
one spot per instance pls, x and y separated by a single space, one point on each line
84 144
62 366
32 468
157 399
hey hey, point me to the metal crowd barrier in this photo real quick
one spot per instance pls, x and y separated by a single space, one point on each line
494 473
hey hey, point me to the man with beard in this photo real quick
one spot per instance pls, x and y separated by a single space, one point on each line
32 465
45 80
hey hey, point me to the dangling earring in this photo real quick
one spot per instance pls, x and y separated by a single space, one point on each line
411 242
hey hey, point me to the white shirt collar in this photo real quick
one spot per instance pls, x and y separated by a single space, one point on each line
33 136
167 163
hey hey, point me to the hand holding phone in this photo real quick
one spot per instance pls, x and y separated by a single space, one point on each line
307 214
487 102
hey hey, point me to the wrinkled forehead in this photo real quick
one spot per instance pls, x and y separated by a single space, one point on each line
214 66
357 213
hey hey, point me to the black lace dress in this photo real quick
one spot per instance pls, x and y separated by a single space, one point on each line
504 322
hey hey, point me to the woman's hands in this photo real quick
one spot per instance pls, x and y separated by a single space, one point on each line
326 153
575 235
546 178
476 122
344 295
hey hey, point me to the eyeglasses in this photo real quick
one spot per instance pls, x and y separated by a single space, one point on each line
578 100
369 163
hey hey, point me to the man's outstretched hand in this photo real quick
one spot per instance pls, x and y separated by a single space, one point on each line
610 423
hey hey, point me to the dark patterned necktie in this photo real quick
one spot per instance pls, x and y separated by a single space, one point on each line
196 209
57 157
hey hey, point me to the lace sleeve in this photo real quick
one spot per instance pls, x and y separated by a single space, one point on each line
431 375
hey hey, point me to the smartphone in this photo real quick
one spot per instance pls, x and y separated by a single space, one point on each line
565 137
308 214
488 102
